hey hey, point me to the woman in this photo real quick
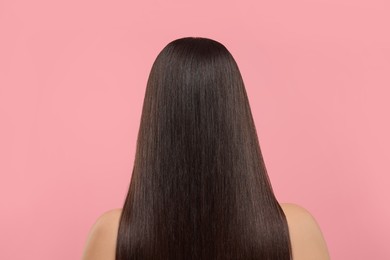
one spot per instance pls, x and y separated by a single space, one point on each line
199 186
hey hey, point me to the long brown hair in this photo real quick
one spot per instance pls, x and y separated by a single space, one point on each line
199 187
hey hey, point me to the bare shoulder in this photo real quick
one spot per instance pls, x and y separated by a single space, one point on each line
307 240
102 236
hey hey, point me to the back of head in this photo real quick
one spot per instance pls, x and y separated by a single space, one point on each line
199 186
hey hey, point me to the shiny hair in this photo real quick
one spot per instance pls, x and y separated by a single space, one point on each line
199 187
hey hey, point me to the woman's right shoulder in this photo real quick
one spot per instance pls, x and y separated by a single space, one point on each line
307 240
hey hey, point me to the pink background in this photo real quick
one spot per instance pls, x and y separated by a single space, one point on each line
72 82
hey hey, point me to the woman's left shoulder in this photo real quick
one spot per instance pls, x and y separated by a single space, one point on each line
102 237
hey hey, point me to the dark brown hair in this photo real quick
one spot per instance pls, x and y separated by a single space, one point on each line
199 187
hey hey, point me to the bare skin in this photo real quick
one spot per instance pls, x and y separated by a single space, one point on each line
307 240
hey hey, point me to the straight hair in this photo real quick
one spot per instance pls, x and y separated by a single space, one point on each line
199 187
